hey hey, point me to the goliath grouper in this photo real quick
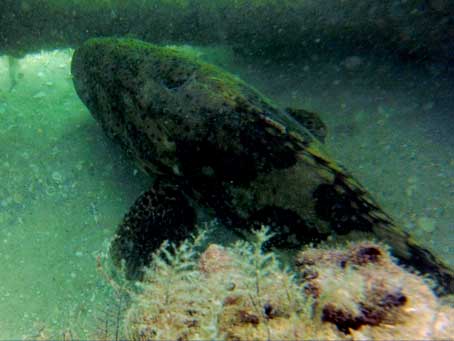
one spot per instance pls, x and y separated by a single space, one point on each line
210 140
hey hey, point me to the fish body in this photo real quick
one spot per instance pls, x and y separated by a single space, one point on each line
211 140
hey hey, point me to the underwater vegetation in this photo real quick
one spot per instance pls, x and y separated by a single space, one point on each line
199 290
242 292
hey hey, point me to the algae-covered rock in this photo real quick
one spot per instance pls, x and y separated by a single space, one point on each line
366 296
213 141
354 292
249 297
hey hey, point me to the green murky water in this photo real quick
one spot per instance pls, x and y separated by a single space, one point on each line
64 190
65 187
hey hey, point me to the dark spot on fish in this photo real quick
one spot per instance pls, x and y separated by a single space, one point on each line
342 208
289 228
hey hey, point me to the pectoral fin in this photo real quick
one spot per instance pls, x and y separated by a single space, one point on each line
162 213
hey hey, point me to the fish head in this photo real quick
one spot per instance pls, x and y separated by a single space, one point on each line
145 97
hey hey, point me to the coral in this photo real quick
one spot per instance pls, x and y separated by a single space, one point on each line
242 293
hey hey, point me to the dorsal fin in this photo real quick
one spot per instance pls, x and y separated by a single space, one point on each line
311 121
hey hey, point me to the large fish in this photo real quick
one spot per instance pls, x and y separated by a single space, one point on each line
213 141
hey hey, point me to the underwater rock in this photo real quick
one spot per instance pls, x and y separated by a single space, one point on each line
352 293
252 298
213 141
365 295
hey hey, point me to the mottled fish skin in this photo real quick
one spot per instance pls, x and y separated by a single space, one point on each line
226 146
